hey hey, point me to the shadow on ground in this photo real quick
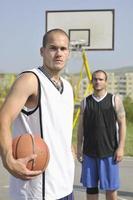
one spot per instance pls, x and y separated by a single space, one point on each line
79 188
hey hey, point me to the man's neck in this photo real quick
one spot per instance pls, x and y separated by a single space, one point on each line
51 74
54 78
99 94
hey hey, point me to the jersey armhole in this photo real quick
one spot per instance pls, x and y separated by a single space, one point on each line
84 104
113 100
114 105
39 96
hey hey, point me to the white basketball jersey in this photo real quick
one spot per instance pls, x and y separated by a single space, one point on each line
52 119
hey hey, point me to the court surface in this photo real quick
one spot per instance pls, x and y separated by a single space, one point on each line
125 192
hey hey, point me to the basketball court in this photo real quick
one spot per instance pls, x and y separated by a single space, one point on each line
89 30
125 192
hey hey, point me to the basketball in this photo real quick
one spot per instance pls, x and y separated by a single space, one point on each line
27 144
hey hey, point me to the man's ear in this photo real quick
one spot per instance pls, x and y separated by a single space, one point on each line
41 51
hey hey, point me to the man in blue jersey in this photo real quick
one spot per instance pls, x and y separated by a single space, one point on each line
101 139
41 102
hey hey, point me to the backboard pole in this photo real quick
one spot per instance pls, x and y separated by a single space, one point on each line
86 64
89 88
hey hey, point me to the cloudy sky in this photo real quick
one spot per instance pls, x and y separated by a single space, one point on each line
22 25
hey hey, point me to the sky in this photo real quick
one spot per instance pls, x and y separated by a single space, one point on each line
22 26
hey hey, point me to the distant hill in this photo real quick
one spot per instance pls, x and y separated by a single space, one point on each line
121 69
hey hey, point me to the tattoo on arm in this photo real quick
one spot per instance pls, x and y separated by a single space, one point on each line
120 111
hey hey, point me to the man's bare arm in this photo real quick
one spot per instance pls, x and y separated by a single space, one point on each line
24 87
120 111
80 136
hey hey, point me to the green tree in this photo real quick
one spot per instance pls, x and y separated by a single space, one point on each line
5 83
128 104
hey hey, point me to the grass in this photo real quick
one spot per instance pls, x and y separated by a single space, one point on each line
129 139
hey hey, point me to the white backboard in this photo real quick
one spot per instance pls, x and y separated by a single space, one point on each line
93 29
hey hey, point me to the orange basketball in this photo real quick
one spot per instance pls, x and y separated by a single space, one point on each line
25 145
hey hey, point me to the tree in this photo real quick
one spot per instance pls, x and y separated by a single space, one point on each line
128 104
6 81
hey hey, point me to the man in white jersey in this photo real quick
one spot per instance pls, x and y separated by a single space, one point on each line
41 102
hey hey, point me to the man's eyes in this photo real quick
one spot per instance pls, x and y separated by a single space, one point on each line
54 48
100 79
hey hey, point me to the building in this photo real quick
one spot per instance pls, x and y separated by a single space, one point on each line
121 83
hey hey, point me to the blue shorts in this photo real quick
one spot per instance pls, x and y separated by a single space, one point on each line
102 173
69 197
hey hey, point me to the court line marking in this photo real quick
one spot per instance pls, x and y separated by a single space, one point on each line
120 198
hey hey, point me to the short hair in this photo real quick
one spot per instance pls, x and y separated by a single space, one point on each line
56 30
97 71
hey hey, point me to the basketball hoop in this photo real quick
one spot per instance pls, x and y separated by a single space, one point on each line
77 45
